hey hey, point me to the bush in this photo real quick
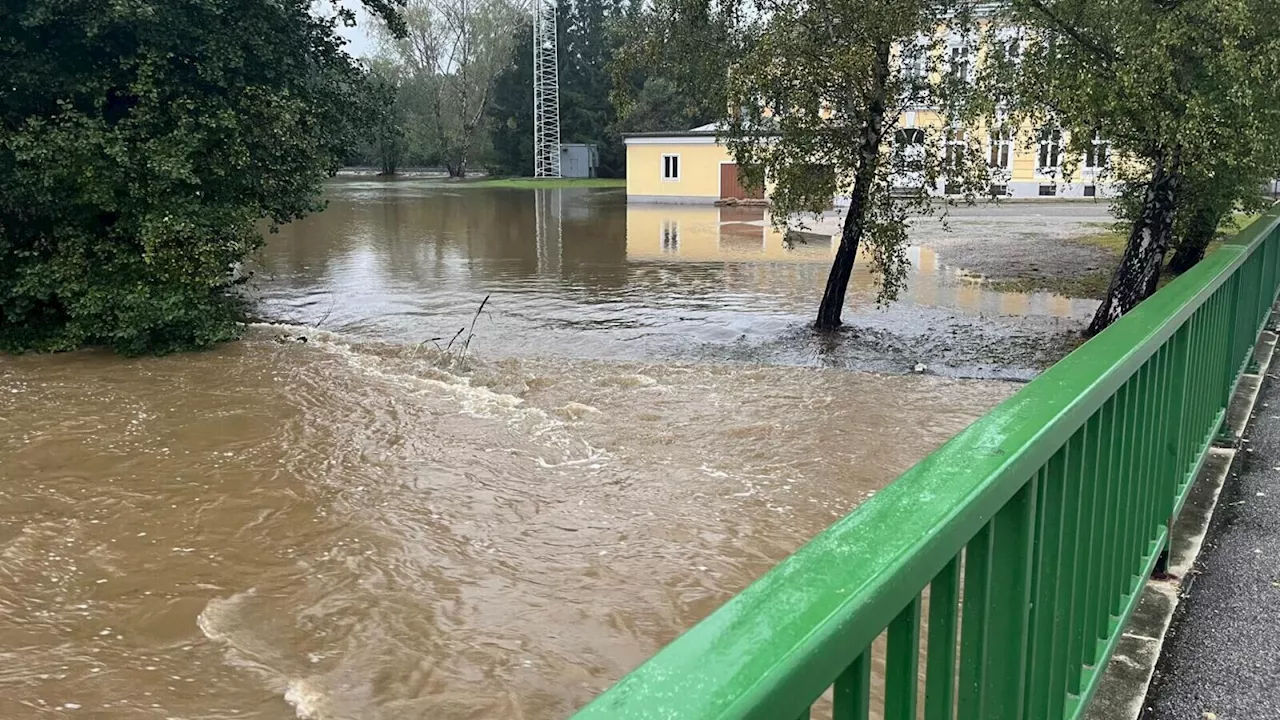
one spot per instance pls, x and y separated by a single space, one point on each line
141 143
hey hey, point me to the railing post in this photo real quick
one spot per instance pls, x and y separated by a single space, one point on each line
1010 605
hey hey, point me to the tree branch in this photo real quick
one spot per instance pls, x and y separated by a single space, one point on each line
1101 51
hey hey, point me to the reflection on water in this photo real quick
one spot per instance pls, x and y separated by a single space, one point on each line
745 234
581 273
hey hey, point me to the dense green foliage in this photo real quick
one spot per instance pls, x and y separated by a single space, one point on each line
511 112
141 142
385 143
446 65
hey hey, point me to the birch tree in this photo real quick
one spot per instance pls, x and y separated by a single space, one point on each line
1183 91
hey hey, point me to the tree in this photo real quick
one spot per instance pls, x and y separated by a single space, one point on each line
452 53
817 90
1181 90
140 144
659 105
511 110
387 146
590 34
586 52
1206 201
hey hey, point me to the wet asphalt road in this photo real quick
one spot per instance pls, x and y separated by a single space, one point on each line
1222 655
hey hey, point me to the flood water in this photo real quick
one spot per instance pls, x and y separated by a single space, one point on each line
580 273
359 526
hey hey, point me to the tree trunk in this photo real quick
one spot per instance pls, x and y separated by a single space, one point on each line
1201 230
1139 271
832 305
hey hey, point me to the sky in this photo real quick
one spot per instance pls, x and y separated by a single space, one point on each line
360 37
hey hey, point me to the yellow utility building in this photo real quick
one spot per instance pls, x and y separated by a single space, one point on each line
683 167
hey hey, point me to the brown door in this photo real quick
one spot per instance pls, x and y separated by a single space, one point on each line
732 184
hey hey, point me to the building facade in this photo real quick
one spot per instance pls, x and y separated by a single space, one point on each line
692 167
683 167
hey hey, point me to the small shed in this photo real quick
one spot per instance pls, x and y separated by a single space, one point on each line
579 160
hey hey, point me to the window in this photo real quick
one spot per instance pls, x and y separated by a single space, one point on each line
1091 191
915 59
670 236
955 150
1001 146
670 167
1009 44
1050 149
957 146
998 190
909 150
959 66
908 159
1099 152
1048 190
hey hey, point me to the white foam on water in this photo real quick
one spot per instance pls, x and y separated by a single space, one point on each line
418 375
219 621
308 698
216 620
576 410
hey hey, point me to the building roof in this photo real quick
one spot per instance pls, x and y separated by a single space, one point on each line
700 131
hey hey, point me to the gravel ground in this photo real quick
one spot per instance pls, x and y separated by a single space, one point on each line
1221 658
1011 240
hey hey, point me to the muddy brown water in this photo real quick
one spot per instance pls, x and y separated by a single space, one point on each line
357 527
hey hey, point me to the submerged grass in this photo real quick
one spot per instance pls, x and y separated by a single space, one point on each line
453 356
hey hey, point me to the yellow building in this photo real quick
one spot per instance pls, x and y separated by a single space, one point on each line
1024 163
682 167
692 167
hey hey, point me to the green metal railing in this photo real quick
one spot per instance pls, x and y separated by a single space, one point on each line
1027 537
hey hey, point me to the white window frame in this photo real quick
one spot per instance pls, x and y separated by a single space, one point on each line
663 170
1092 153
915 58
1000 144
1049 137
1013 43
955 145
910 148
959 45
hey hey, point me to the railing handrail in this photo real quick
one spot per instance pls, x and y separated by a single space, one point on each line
805 620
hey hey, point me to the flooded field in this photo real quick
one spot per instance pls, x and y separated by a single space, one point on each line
580 273
361 527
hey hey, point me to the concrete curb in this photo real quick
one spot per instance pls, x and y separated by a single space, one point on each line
1123 689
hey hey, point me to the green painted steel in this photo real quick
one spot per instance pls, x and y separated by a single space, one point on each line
944 601
1049 512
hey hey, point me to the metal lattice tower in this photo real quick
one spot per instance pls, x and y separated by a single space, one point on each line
546 91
